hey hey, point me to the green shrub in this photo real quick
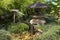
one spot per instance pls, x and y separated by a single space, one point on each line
18 28
53 33
4 35
44 27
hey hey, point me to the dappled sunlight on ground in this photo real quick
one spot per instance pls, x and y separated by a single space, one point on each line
24 36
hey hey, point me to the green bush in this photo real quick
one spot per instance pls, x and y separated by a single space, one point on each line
44 27
18 28
53 33
4 35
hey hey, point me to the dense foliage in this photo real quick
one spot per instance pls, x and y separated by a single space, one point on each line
22 5
50 31
4 35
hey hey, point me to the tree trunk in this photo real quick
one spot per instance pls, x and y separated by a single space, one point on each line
31 28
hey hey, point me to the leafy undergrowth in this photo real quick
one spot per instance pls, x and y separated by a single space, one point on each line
4 35
50 32
53 33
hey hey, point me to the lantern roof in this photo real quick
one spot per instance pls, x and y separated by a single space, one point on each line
14 10
38 5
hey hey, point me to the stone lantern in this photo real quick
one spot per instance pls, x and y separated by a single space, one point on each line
14 11
38 10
